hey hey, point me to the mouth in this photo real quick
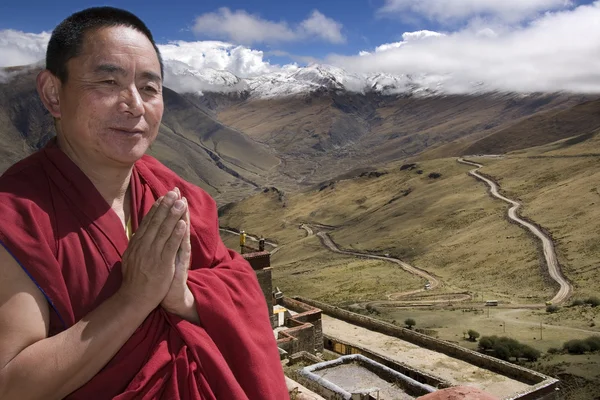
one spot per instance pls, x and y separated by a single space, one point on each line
128 131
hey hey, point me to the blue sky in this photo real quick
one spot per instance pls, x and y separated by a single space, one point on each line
516 45
362 27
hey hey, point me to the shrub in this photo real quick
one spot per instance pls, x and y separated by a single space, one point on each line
553 350
502 351
409 322
593 342
506 348
576 346
593 301
473 335
530 353
552 308
577 302
486 343
514 347
435 175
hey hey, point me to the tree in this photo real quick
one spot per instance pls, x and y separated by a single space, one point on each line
409 322
473 335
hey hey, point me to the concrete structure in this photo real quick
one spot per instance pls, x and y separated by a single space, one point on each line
536 386
298 328
391 382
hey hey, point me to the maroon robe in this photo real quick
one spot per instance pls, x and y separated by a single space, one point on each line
70 242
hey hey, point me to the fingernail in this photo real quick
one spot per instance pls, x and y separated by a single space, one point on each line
179 205
172 195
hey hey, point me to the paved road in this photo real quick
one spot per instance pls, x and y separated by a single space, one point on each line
549 253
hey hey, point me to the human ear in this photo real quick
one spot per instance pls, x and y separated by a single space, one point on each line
48 87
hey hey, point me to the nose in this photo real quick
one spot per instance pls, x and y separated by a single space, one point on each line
131 102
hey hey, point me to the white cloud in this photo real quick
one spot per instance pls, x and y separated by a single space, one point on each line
239 60
558 51
321 26
408 37
20 48
244 28
455 10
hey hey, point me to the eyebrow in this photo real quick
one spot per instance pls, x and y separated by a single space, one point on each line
111 69
151 76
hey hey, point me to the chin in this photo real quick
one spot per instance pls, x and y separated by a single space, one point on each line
128 153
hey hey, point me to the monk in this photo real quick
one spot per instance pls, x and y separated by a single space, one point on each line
114 282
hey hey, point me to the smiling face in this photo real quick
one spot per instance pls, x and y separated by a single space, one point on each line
111 104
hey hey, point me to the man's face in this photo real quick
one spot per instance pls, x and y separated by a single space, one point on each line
111 104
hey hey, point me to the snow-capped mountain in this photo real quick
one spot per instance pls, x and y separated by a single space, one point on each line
183 78
295 82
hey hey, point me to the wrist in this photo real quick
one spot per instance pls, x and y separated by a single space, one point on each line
133 302
185 308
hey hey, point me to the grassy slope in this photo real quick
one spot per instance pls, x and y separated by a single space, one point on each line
448 226
559 185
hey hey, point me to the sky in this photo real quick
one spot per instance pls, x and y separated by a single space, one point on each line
517 45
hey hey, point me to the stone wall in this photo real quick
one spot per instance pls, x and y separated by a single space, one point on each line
542 384
266 284
258 259
297 338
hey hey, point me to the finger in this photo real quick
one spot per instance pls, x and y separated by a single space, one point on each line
164 212
186 244
164 231
187 213
176 190
171 246
148 217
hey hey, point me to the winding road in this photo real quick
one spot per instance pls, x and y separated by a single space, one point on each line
433 281
548 246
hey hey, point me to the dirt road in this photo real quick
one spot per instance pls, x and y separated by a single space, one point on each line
433 281
549 253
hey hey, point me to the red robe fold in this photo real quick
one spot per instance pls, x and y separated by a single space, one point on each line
69 241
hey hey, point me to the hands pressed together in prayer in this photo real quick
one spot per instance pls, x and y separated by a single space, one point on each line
156 262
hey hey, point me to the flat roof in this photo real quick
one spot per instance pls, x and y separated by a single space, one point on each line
453 370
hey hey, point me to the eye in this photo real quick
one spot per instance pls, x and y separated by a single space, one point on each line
150 89
110 82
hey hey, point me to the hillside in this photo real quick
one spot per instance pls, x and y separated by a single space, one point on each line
449 225
320 135
546 127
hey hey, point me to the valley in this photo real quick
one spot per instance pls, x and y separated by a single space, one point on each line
365 203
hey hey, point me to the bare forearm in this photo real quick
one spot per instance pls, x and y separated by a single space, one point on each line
54 367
